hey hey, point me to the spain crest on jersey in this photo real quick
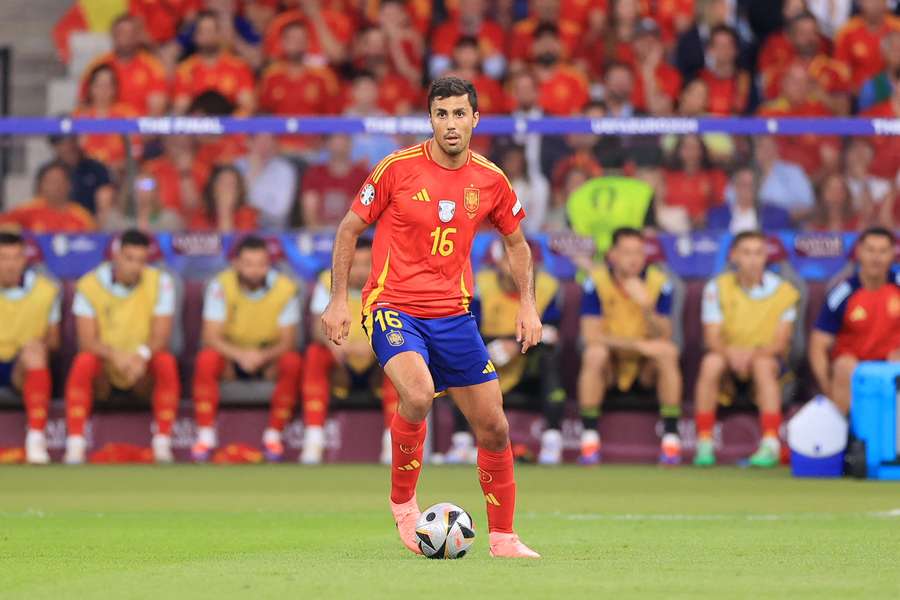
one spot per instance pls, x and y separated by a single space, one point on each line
446 210
471 201
395 338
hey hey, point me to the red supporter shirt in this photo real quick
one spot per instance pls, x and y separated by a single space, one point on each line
695 192
245 219
865 323
228 75
339 24
565 92
491 38
138 78
886 162
523 33
804 150
727 96
162 17
336 192
859 47
668 81
37 216
427 218
286 90
109 148
831 75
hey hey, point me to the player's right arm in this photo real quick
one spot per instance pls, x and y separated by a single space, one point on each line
336 318
373 197
215 313
827 326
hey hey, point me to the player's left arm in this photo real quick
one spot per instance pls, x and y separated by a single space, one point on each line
781 342
287 332
528 322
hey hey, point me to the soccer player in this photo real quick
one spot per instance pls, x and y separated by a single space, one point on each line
332 369
428 204
30 313
250 317
860 319
626 328
536 377
123 316
748 316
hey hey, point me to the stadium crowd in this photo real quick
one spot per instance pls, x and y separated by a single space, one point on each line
544 57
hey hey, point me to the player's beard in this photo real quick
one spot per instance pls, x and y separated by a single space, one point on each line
456 150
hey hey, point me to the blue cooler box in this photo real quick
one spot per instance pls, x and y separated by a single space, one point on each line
875 417
817 437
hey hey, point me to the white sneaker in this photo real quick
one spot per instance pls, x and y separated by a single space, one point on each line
162 449
462 450
551 448
313 446
387 452
36 448
76 447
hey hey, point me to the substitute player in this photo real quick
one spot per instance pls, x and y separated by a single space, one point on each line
123 315
250 317
626 328
428 201
860 319
30 313
748 316
331 369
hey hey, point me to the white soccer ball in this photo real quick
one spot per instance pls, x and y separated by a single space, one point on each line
445 531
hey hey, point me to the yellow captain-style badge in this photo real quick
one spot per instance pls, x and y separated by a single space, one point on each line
395 338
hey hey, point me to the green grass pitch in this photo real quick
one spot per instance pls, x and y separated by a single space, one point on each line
292 532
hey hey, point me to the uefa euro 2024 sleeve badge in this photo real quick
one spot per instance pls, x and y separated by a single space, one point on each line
367 195
446 210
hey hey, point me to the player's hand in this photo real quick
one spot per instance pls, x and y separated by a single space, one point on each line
637 291
655 348
528 327
138 367
336 322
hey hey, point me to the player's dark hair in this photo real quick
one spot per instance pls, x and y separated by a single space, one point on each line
211 103
877 231
746 235
134 237
466 41
206 14
545 29
726 30
11 238
46 168
250 242
447 87
626 232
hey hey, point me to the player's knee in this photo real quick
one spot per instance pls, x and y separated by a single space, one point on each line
764 367
668 354
713 365
594 357
493 434
34 355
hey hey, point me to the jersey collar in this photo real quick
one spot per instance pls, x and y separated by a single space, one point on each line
428 155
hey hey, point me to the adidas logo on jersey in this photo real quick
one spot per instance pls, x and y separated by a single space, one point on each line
422 196
411 466
489 368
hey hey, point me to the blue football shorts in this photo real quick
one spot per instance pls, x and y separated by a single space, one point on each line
451 346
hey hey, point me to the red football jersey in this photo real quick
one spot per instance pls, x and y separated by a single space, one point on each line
427 218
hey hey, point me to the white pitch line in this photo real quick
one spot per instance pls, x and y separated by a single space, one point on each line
889 514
